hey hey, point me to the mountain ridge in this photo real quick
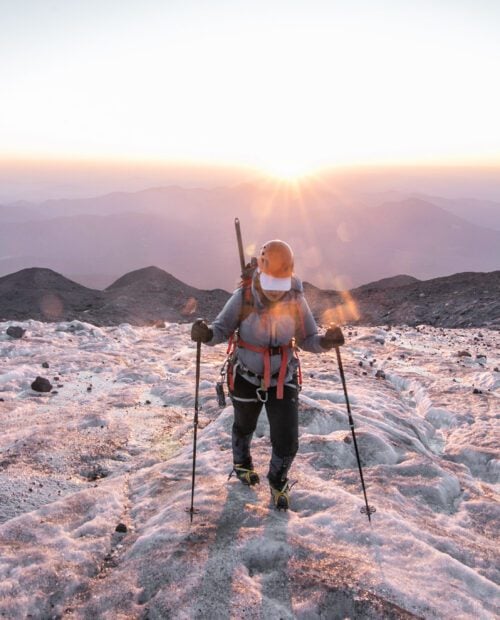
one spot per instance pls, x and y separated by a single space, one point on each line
151 295
337 243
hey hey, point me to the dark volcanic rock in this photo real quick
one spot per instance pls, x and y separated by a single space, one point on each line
143 296
40 384
43 295
140 298
151 296
460 300
15 331
385 283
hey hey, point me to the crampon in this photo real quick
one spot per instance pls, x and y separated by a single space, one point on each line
246 475
280 494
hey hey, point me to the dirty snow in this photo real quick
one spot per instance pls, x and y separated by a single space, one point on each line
112 443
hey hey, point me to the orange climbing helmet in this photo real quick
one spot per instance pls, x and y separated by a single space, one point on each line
275 264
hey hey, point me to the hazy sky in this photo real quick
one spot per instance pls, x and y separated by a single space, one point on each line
282 85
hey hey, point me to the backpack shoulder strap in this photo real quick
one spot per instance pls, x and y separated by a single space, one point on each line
247 301
298 315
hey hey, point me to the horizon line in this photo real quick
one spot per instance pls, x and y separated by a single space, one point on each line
200 164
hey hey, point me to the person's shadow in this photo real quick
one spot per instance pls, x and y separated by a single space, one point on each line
249 550
213 598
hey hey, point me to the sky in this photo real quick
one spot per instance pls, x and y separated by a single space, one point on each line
284 86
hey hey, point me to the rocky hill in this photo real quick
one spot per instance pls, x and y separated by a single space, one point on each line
461 300
44 295
151 295
144 296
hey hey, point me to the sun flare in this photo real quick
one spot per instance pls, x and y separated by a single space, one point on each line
289 171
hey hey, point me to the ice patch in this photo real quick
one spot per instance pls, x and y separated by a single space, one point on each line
441 418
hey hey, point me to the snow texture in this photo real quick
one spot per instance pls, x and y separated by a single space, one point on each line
112 444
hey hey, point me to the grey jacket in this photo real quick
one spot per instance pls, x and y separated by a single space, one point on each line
268 325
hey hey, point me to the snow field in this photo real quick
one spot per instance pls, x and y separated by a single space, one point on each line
114 445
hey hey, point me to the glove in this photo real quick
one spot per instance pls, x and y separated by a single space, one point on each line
333 338
201 332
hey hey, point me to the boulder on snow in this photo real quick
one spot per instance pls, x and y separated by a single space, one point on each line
15 331
40 384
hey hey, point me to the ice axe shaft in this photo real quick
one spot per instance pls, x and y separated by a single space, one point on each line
240 243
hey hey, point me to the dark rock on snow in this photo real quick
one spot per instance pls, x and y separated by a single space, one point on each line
15 332
40 384
95 472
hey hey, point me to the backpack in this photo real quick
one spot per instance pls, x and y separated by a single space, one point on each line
247 307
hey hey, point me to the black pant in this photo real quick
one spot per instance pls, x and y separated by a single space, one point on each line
283 416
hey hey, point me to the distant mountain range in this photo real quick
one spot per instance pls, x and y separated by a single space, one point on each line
151 295
340 241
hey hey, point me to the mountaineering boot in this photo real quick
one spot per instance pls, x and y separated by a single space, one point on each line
246 474
278 481
280 494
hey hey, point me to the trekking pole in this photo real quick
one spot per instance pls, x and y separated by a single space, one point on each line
366 509
196 409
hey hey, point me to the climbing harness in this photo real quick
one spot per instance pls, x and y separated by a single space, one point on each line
231 364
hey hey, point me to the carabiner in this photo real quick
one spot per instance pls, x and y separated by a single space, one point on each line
262 399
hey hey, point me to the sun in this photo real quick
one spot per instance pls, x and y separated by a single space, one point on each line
289 169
